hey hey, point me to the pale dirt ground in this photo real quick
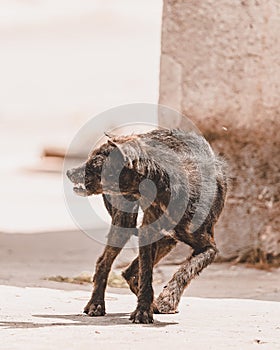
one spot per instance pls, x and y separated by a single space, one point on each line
26 260
40 318
218 310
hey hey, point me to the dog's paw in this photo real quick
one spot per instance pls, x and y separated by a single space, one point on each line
154 308
142 316
95 309
165 304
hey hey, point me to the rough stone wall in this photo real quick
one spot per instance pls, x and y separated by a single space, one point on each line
220 66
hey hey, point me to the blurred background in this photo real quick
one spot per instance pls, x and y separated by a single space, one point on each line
61 63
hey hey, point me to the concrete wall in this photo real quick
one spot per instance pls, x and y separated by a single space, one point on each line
220 66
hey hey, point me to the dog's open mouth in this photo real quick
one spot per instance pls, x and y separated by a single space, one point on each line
80 189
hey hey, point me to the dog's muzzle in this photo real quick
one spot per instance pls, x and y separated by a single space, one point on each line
77 177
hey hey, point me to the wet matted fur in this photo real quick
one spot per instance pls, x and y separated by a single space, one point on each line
184 202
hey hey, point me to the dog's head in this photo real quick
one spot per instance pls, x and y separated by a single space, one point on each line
108 169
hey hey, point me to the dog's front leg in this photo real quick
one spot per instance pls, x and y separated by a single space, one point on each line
96 304
122 228
144 310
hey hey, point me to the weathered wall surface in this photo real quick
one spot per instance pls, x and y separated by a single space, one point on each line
220 66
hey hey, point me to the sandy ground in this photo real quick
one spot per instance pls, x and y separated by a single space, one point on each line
26 260
217 311
53 320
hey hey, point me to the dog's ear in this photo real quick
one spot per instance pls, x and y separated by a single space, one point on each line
119 147
109 135
126 150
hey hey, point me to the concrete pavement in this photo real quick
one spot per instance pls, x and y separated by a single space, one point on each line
40 318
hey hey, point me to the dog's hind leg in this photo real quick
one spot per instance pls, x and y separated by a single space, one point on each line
204 252
123 226
169 298
160 249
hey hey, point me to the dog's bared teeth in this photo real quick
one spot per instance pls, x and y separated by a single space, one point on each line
80 186
80 190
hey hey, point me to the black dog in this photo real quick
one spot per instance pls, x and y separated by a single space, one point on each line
180 185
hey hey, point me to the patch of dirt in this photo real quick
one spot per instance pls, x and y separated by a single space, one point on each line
115 280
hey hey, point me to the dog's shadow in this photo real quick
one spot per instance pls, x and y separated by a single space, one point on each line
116 319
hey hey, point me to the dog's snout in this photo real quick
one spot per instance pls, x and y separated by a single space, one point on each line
68 173
76 175
72 174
